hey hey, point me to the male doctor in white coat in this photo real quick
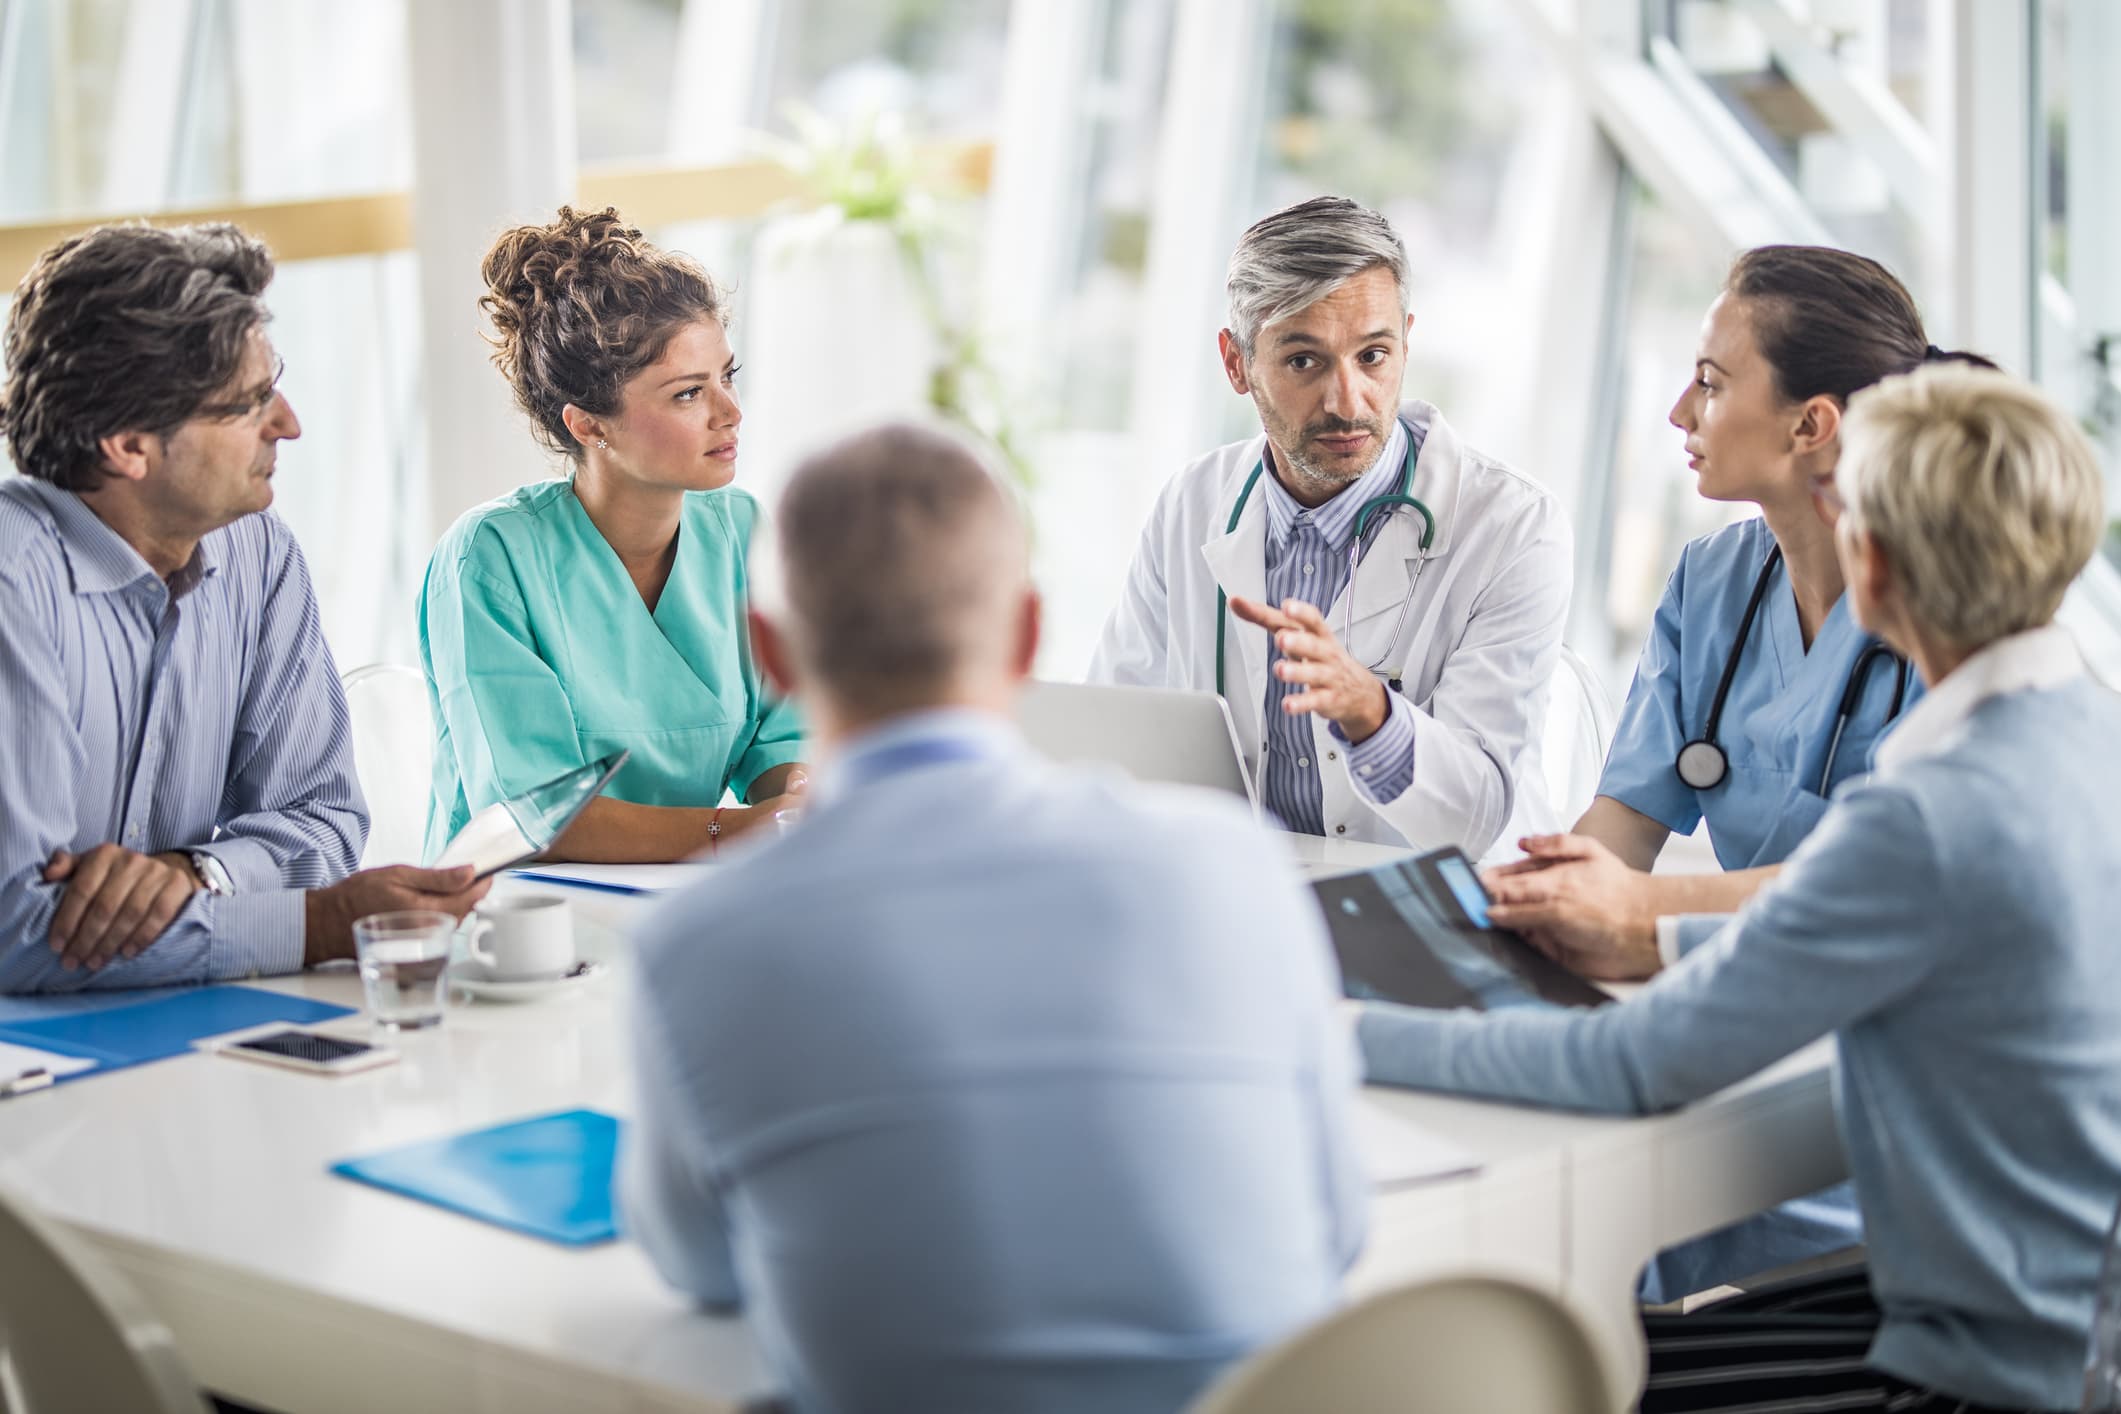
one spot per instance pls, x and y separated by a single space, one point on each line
1407 710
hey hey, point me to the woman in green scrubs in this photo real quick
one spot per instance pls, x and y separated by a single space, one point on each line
606 609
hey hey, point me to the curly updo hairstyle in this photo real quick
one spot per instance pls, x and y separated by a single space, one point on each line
579 306
124 329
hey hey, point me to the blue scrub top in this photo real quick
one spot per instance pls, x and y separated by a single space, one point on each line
1777 721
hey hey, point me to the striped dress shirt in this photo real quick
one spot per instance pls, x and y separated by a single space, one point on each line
201 713
1307 559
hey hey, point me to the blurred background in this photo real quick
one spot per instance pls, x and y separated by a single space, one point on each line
1018 212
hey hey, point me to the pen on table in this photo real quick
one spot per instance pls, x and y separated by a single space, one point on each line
27 1081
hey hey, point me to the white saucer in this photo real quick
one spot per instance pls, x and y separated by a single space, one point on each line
536 989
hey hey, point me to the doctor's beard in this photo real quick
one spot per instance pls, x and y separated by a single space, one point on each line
1309 466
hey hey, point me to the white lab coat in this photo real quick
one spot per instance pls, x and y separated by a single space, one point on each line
1475 649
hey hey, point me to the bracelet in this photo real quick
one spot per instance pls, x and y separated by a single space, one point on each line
714 832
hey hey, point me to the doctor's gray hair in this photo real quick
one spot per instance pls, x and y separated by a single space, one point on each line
1291 260
1986 498
897 567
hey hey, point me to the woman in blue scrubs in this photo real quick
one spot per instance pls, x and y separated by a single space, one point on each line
605 609
1757 693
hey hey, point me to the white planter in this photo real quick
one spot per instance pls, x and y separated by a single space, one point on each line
832 336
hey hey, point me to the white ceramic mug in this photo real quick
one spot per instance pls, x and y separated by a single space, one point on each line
523 938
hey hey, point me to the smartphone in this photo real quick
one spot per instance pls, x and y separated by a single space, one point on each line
297 1049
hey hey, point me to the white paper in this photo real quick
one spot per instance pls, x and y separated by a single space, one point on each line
637 878
1396 1152
14 1060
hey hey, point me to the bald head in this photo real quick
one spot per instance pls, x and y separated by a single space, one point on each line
898 577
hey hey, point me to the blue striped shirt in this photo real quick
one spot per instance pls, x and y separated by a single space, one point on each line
202 713
1307 559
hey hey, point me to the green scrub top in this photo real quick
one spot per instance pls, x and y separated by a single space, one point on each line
540 657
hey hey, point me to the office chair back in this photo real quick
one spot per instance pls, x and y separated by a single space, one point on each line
1439 1347
394 740
73 1334
2102 1362
1579 728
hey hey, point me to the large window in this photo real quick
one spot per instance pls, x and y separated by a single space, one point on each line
144 105
1839 101
2077 215
1571 180
1191 126
1421 109
1651 507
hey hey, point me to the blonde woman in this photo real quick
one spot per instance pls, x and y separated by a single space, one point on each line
1950 922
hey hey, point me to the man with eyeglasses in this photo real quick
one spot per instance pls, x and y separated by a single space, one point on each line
177 791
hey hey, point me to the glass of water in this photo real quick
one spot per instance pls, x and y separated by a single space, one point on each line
404 965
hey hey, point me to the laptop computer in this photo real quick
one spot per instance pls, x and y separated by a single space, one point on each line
1151 733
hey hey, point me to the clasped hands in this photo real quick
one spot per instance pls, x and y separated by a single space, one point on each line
1335 685
118 903
1580 904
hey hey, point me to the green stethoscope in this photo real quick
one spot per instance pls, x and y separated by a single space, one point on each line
1375 506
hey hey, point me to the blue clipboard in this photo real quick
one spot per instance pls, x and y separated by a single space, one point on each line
133 1032
549 1176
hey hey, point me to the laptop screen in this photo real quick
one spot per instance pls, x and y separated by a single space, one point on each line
1416 931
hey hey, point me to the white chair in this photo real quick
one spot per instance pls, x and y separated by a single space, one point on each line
394 753
1579 728
74 1335
1439 1347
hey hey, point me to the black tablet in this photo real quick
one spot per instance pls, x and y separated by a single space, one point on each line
1416 931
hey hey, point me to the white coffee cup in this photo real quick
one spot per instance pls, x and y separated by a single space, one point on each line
523 938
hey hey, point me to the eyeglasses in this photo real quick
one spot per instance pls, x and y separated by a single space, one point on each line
254 406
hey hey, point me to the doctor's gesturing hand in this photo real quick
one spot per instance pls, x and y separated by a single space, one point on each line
1335 685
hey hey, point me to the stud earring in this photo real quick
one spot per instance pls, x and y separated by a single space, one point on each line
602 443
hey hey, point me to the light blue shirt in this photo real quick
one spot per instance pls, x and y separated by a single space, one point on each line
1307 559
1951 923
1778 720
1778 723
996 1086
202 714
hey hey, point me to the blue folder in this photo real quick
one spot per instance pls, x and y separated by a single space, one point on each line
549 1176
130 1032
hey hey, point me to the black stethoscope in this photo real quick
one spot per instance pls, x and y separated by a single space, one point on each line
1702 764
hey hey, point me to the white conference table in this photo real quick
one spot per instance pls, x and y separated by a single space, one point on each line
204 1179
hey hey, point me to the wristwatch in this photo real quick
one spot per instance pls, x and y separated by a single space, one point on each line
213 877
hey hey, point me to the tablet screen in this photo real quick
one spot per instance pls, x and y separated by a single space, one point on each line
1416 932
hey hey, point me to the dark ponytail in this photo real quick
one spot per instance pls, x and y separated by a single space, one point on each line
1972 360
1831 323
